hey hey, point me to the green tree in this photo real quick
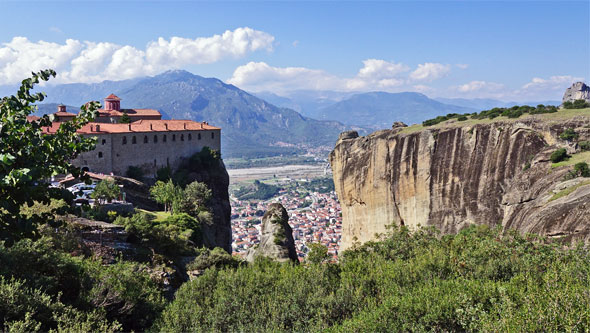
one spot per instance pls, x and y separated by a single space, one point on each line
124 118
28 156
165 193
559 155
317 254
569 134
194 198
135 173
581 169
106 190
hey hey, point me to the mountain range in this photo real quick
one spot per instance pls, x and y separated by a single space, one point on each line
262 124
251 127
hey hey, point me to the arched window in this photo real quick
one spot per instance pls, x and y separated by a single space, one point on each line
190 137
212 135
124 140
164 138
100 154
145 139
173 137
133 140
199 136
181 137
155 138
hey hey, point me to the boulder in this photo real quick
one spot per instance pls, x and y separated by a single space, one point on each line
276 239
578 90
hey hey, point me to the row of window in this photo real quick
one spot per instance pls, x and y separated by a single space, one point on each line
164 138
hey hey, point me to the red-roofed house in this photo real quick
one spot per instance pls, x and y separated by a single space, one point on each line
147 142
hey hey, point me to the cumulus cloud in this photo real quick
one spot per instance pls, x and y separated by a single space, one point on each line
84 61
375 74
559 82
480 86
430 71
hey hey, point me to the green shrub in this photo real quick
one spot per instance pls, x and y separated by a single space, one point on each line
581 169
559 155
216 258
164 174
135 173
584 145
569 134
577 104
477 280
462 118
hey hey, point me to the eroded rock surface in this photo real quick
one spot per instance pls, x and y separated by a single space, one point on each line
276 239
496 173
578 90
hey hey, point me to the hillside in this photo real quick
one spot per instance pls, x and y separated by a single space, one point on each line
381 109
484 171
250 126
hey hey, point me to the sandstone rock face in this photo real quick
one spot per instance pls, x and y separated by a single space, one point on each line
276 239
578 90
218 234
497 173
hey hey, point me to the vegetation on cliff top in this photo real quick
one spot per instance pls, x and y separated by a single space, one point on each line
477 280
561 115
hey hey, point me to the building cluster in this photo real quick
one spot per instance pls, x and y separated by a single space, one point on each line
314 218
137 138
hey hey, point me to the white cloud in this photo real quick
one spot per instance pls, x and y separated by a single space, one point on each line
295 43
77 61
560 83
480 86
462 66
430 71
55 29
376 74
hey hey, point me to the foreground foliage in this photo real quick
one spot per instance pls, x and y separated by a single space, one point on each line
477 280
43 288
28 157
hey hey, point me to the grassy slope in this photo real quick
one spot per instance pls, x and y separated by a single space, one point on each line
560 115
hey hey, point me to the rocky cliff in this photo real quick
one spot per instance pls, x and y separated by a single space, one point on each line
486 172
578 90
276 239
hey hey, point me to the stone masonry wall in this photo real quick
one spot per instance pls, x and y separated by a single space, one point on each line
150 156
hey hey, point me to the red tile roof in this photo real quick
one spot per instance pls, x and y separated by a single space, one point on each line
113 96
65 114
130 112
140 126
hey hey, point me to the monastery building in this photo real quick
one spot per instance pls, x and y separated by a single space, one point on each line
147 141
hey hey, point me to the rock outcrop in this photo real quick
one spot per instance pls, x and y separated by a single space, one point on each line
494 173
578 90
218 233
276 239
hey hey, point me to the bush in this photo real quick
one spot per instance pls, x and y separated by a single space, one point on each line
577 104
462 118
178 235
42 288
584 145
559 155
135 173
164 174
216 258
481 279
569 134
581 169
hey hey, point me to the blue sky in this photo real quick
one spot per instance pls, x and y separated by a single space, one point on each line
507 50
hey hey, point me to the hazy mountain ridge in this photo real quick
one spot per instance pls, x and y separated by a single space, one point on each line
250 125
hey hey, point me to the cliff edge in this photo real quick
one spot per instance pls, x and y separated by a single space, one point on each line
495 172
